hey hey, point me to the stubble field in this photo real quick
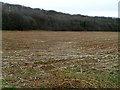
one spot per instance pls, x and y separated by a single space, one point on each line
42 59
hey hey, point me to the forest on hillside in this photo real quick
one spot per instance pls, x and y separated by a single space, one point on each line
18 17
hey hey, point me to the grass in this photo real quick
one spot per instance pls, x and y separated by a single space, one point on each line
107 79
71 69
9 88
93 68
42 86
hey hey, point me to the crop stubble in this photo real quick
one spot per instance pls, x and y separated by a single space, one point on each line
60 59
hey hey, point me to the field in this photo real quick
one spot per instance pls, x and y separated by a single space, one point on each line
52 59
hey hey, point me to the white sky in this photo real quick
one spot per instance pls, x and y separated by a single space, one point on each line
84 7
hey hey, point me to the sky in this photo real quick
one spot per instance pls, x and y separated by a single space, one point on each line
107 8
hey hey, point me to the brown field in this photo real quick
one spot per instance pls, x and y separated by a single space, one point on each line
60 59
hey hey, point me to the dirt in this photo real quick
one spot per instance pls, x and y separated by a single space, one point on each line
40 58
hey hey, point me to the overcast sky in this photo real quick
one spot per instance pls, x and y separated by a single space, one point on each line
108 8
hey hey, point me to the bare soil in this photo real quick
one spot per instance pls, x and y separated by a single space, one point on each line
49 59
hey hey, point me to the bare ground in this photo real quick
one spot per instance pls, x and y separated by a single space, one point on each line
60 59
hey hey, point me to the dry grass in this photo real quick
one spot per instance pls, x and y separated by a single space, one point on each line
60 59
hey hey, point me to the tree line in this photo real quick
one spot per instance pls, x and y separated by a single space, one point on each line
17 17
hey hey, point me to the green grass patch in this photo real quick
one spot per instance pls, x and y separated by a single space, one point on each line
42 86
108 79
114 72
9 88
93 68
71 69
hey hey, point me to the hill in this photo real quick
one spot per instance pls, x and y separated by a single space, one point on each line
18 17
